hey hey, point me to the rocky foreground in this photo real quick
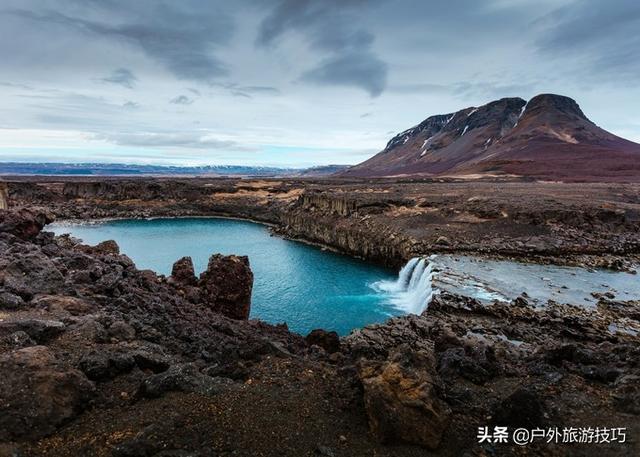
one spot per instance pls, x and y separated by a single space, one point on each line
100 358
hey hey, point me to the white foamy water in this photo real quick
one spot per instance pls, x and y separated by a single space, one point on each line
413 289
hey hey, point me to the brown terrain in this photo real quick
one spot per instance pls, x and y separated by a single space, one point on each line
548 137
100 358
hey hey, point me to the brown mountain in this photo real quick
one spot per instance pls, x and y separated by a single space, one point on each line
548 137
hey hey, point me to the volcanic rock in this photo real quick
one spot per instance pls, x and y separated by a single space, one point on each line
183 272
329 341
23 223
38 392
10 301
402 398
182 378
227 285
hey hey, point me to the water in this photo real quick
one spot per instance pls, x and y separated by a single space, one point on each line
309 288
294 283
489 280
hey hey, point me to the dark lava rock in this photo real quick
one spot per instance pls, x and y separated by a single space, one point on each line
107 247
16 340
329 341
183 272
103 365
121 331
10 301
182 378
38 393
31 274
227 285
523 408
476 364
151 358
40 330
23 223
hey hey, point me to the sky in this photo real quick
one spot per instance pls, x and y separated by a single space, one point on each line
293 82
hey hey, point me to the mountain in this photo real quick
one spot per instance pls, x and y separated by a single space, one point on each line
548 137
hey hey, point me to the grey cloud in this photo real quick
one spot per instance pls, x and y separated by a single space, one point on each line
602 36
130 105
330 28
358 70
181 100
122 77
183 39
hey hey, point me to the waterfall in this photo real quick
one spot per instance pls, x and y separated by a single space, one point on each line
413 289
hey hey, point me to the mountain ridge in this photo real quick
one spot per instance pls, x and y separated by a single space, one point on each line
547 137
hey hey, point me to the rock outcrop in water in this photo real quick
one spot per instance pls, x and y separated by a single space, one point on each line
226 285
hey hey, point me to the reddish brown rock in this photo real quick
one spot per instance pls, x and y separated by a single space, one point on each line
227 284
107 247
403 400
329 341
183 272
23 223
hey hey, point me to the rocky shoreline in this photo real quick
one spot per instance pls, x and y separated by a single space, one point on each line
592 225
100 358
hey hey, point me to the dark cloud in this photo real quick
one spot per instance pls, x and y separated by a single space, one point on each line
602 36
330 27
182 36
122 77
358 70
181 100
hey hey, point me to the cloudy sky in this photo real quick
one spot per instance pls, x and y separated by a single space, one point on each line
292 82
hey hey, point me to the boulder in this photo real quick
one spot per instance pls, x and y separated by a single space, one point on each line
103 365
41 330
329 341
183 272
182 378
23 223
31 274
227 285
523 408
10 301
38 393
62 304
107 247
402 398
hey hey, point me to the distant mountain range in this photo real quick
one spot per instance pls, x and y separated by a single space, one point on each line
102 169
548 137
